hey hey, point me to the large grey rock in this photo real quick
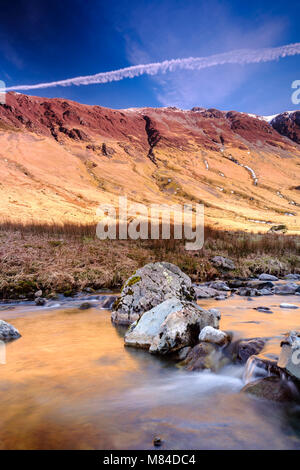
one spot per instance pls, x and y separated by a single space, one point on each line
170 326
141 333
181 328
148 287
286 289
267 277
221 262
8 332
289 358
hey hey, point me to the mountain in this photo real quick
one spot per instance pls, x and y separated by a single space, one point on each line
60 159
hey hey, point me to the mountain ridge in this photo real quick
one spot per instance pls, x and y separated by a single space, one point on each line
59 159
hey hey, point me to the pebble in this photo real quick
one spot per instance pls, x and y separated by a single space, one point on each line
157 442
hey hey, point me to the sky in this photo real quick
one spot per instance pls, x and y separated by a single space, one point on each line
50 40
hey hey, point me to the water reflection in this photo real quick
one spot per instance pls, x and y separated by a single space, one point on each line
69 383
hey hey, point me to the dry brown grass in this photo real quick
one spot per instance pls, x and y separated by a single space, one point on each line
69 258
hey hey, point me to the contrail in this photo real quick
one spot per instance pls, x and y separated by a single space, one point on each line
242 56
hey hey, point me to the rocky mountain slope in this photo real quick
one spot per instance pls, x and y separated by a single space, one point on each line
60 159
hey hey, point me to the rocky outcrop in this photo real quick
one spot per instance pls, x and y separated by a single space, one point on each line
153 136
170 326
8 332
288 124
148 287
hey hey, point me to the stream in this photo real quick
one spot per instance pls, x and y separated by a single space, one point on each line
69 383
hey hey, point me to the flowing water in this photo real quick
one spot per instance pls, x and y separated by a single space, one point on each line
69 383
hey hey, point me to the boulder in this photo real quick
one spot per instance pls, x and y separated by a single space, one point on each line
272 388
85 306
219 285
257 284
276 380
211 335
267 277
292 277
236 283
148 287
286 289
170 326
258 367
204 356
221 297
182 353
265 292
247 292
246 348
205 292
8 332
181 329
223 263
40 301
141 333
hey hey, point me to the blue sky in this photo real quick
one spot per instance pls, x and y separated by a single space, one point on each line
42 41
